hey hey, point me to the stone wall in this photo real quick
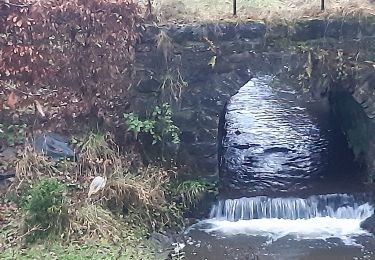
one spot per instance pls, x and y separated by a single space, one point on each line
198 67
352 102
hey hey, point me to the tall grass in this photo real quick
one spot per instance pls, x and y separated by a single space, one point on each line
267 10
136 199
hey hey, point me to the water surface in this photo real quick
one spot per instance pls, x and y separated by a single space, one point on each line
289 186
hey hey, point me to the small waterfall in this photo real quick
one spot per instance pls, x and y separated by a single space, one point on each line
339 206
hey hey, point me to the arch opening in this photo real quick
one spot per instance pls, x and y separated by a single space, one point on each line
274 142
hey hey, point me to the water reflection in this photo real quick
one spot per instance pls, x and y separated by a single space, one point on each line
272 142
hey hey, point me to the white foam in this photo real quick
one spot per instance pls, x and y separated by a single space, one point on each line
313 228
341 206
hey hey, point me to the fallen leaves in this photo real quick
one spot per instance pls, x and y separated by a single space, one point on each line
12 100
44 60
39 108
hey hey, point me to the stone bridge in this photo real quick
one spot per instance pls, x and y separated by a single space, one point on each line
198 67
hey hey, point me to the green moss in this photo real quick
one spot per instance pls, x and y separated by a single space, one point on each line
287 43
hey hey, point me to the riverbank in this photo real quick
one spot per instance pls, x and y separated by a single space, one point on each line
78 251
51 208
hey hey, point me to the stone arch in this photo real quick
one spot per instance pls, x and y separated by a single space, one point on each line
216 60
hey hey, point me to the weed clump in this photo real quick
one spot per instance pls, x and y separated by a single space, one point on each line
46 212
191 192
32 166
93 221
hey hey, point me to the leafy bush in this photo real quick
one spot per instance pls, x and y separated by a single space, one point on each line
73 55
159 125
46 212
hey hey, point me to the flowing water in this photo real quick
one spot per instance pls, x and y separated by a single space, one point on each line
289 187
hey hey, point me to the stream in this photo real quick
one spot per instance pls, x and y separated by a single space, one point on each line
289 188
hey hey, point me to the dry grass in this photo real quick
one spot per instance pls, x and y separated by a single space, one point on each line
135 186
173 86
32 165
99 156
133 202
266 10
93 221
131 188
142 195
164 45
142 190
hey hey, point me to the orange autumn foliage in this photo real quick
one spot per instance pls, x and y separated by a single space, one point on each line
75 55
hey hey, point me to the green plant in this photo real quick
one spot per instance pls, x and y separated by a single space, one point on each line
190 192
73 251
96 147
137 125
46 213
164 124
160 125
13 134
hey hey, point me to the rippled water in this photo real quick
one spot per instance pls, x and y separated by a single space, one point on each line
287 182
273 144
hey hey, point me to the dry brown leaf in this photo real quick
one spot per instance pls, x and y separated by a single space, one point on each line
39 108
12 100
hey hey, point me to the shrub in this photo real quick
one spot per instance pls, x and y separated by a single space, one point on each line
46 213
73 55
159 125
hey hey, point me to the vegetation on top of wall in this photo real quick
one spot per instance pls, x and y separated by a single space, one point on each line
265 10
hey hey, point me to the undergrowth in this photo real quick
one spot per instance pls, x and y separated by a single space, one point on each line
74 251
136 200
45 210
191 192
